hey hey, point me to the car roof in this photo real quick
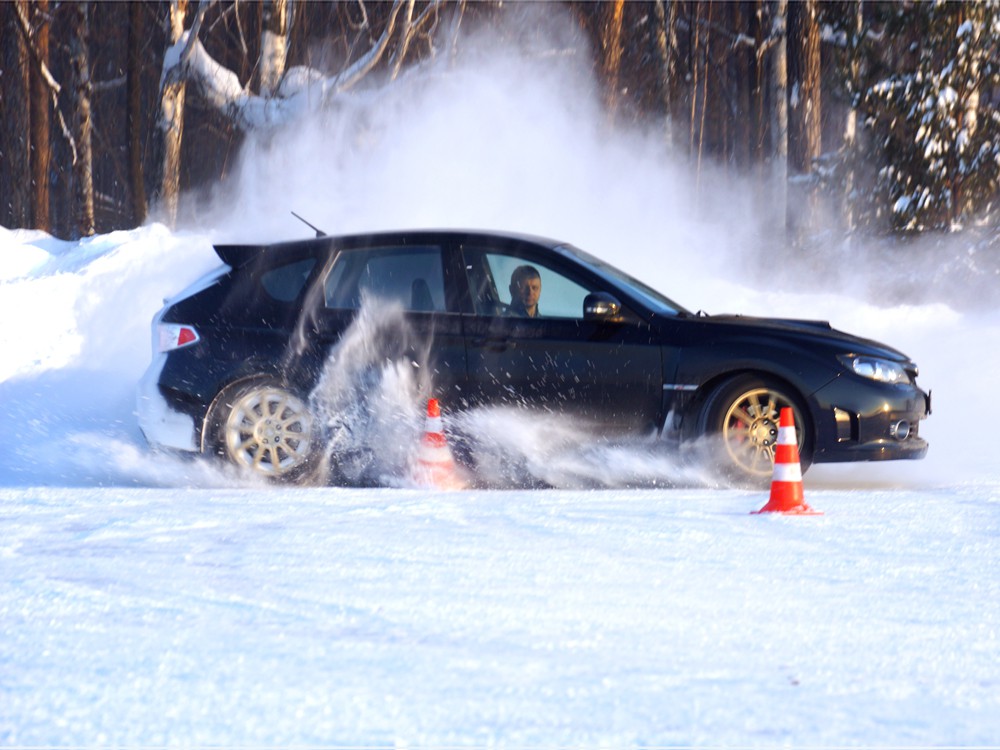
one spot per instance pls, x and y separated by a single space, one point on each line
240 254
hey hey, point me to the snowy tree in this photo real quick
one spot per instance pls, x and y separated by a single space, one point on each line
932 118
284 94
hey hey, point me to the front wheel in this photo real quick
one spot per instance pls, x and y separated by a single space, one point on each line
266 429
743 414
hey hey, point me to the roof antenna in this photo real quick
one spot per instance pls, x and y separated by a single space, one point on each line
319 232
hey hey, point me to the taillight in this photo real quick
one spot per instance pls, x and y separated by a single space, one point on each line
174 336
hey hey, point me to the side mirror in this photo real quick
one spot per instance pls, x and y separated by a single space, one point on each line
601 306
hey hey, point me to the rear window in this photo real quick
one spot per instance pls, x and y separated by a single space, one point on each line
285 283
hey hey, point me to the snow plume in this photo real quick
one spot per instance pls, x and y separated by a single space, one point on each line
369 407
511 447
368 400
512 135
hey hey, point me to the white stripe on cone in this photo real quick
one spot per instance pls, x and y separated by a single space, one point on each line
787 472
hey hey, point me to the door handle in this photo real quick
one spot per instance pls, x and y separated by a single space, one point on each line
495 344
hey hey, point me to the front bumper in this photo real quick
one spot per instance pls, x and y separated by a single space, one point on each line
877 423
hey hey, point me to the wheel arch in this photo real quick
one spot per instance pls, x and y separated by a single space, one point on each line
695 406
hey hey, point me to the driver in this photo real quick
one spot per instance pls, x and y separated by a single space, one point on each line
525 289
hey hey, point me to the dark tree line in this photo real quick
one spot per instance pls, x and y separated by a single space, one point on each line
884 112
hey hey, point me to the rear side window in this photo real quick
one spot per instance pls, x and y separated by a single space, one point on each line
412 276
285 283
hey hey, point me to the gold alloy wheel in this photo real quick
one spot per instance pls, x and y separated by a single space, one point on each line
269 431
750 429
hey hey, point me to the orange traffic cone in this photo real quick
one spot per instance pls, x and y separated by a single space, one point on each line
786 482
435 465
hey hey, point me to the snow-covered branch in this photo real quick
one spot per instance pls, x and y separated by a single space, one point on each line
221 88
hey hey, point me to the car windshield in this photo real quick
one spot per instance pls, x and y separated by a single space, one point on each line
647 294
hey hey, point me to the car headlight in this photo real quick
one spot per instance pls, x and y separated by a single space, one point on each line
881 370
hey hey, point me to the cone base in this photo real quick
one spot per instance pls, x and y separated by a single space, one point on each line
439 477
798 510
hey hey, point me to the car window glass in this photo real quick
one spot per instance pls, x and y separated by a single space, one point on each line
490 276
411 276
650 296
285 283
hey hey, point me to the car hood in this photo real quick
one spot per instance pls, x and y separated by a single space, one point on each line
815 332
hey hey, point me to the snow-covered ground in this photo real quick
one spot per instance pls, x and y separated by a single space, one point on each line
147 601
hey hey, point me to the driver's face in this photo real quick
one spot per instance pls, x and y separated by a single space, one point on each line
529 291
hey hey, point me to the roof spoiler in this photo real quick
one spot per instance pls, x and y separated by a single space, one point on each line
238 255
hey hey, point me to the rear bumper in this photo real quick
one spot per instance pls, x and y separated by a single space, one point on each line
162 425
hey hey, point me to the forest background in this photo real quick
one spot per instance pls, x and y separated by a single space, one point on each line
873 119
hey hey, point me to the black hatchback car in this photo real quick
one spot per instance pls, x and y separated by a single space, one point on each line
238 355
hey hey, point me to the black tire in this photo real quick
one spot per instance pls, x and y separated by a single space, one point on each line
743 413
265 428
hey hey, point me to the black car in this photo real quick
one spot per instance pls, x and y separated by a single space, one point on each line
238 356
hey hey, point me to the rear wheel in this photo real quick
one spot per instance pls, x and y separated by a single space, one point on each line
743 413
265 428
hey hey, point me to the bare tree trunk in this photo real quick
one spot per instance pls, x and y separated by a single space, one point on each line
704 97
134 97
693 47
758 94
612 43
805 135
970 114
41 147
274 45
739 75
15 124
173 89
666 43
851 124
83 171
779 110
456 24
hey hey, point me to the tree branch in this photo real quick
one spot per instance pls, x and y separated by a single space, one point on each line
43 69
29 36
366 62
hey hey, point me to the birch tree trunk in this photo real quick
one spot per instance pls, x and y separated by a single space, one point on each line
273 45
83 169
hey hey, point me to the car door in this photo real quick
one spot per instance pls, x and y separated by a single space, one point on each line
390 304
600 371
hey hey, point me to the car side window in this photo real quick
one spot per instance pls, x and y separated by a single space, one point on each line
411 276
491 275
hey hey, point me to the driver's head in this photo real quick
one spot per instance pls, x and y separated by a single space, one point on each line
526 288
